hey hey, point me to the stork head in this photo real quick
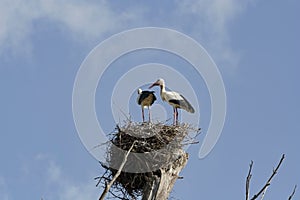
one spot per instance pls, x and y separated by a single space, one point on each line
139 91
159 82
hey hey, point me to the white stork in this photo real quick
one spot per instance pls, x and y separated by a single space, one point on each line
145 99
174 99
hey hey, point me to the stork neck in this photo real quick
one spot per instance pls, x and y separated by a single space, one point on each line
162 89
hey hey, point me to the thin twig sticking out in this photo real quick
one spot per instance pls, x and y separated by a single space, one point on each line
262 192
268 183
108 186
291 196
248 180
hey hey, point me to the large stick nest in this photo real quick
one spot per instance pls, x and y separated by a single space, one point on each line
156 146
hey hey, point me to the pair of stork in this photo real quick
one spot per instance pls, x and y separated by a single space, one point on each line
176 100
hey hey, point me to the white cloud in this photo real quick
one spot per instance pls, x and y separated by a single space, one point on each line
82 19
3 189
58 185
79 192
218 13
211 20
206 20
66 188
85 19
53 172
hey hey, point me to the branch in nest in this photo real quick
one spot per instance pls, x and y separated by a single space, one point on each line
107 187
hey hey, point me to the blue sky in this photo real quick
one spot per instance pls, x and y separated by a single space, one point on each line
255 44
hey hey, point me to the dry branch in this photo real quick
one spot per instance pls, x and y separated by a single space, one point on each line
263 190
293 193
108 186
248 180
268 183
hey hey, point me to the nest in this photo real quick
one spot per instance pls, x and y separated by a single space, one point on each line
153 147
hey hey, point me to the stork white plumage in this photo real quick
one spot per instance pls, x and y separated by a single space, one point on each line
175 99
145 99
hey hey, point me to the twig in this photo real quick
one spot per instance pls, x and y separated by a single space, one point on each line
123 113
291 196
99 178
188 143
115 196
248 180
268 183
263 194
107 187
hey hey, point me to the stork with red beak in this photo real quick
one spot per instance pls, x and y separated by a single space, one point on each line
175 99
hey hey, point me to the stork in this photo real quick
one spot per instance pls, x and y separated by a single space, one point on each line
145 99
175 99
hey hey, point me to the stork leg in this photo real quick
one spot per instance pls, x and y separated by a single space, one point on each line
174 119
149 114
143 114
173 116
176 116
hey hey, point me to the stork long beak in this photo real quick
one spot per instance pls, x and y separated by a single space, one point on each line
154 84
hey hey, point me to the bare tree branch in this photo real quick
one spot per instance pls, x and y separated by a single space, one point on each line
248 180
100 178
107 187
291 196
263 194
269 180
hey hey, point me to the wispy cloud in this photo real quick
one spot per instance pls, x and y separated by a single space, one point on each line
207 20
214 12
84 19
210 21
68 189
3 189
62 187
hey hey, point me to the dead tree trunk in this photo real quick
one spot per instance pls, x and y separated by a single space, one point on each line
163 183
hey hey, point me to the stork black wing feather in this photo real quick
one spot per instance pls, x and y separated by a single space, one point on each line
184 104
144 95
187 105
